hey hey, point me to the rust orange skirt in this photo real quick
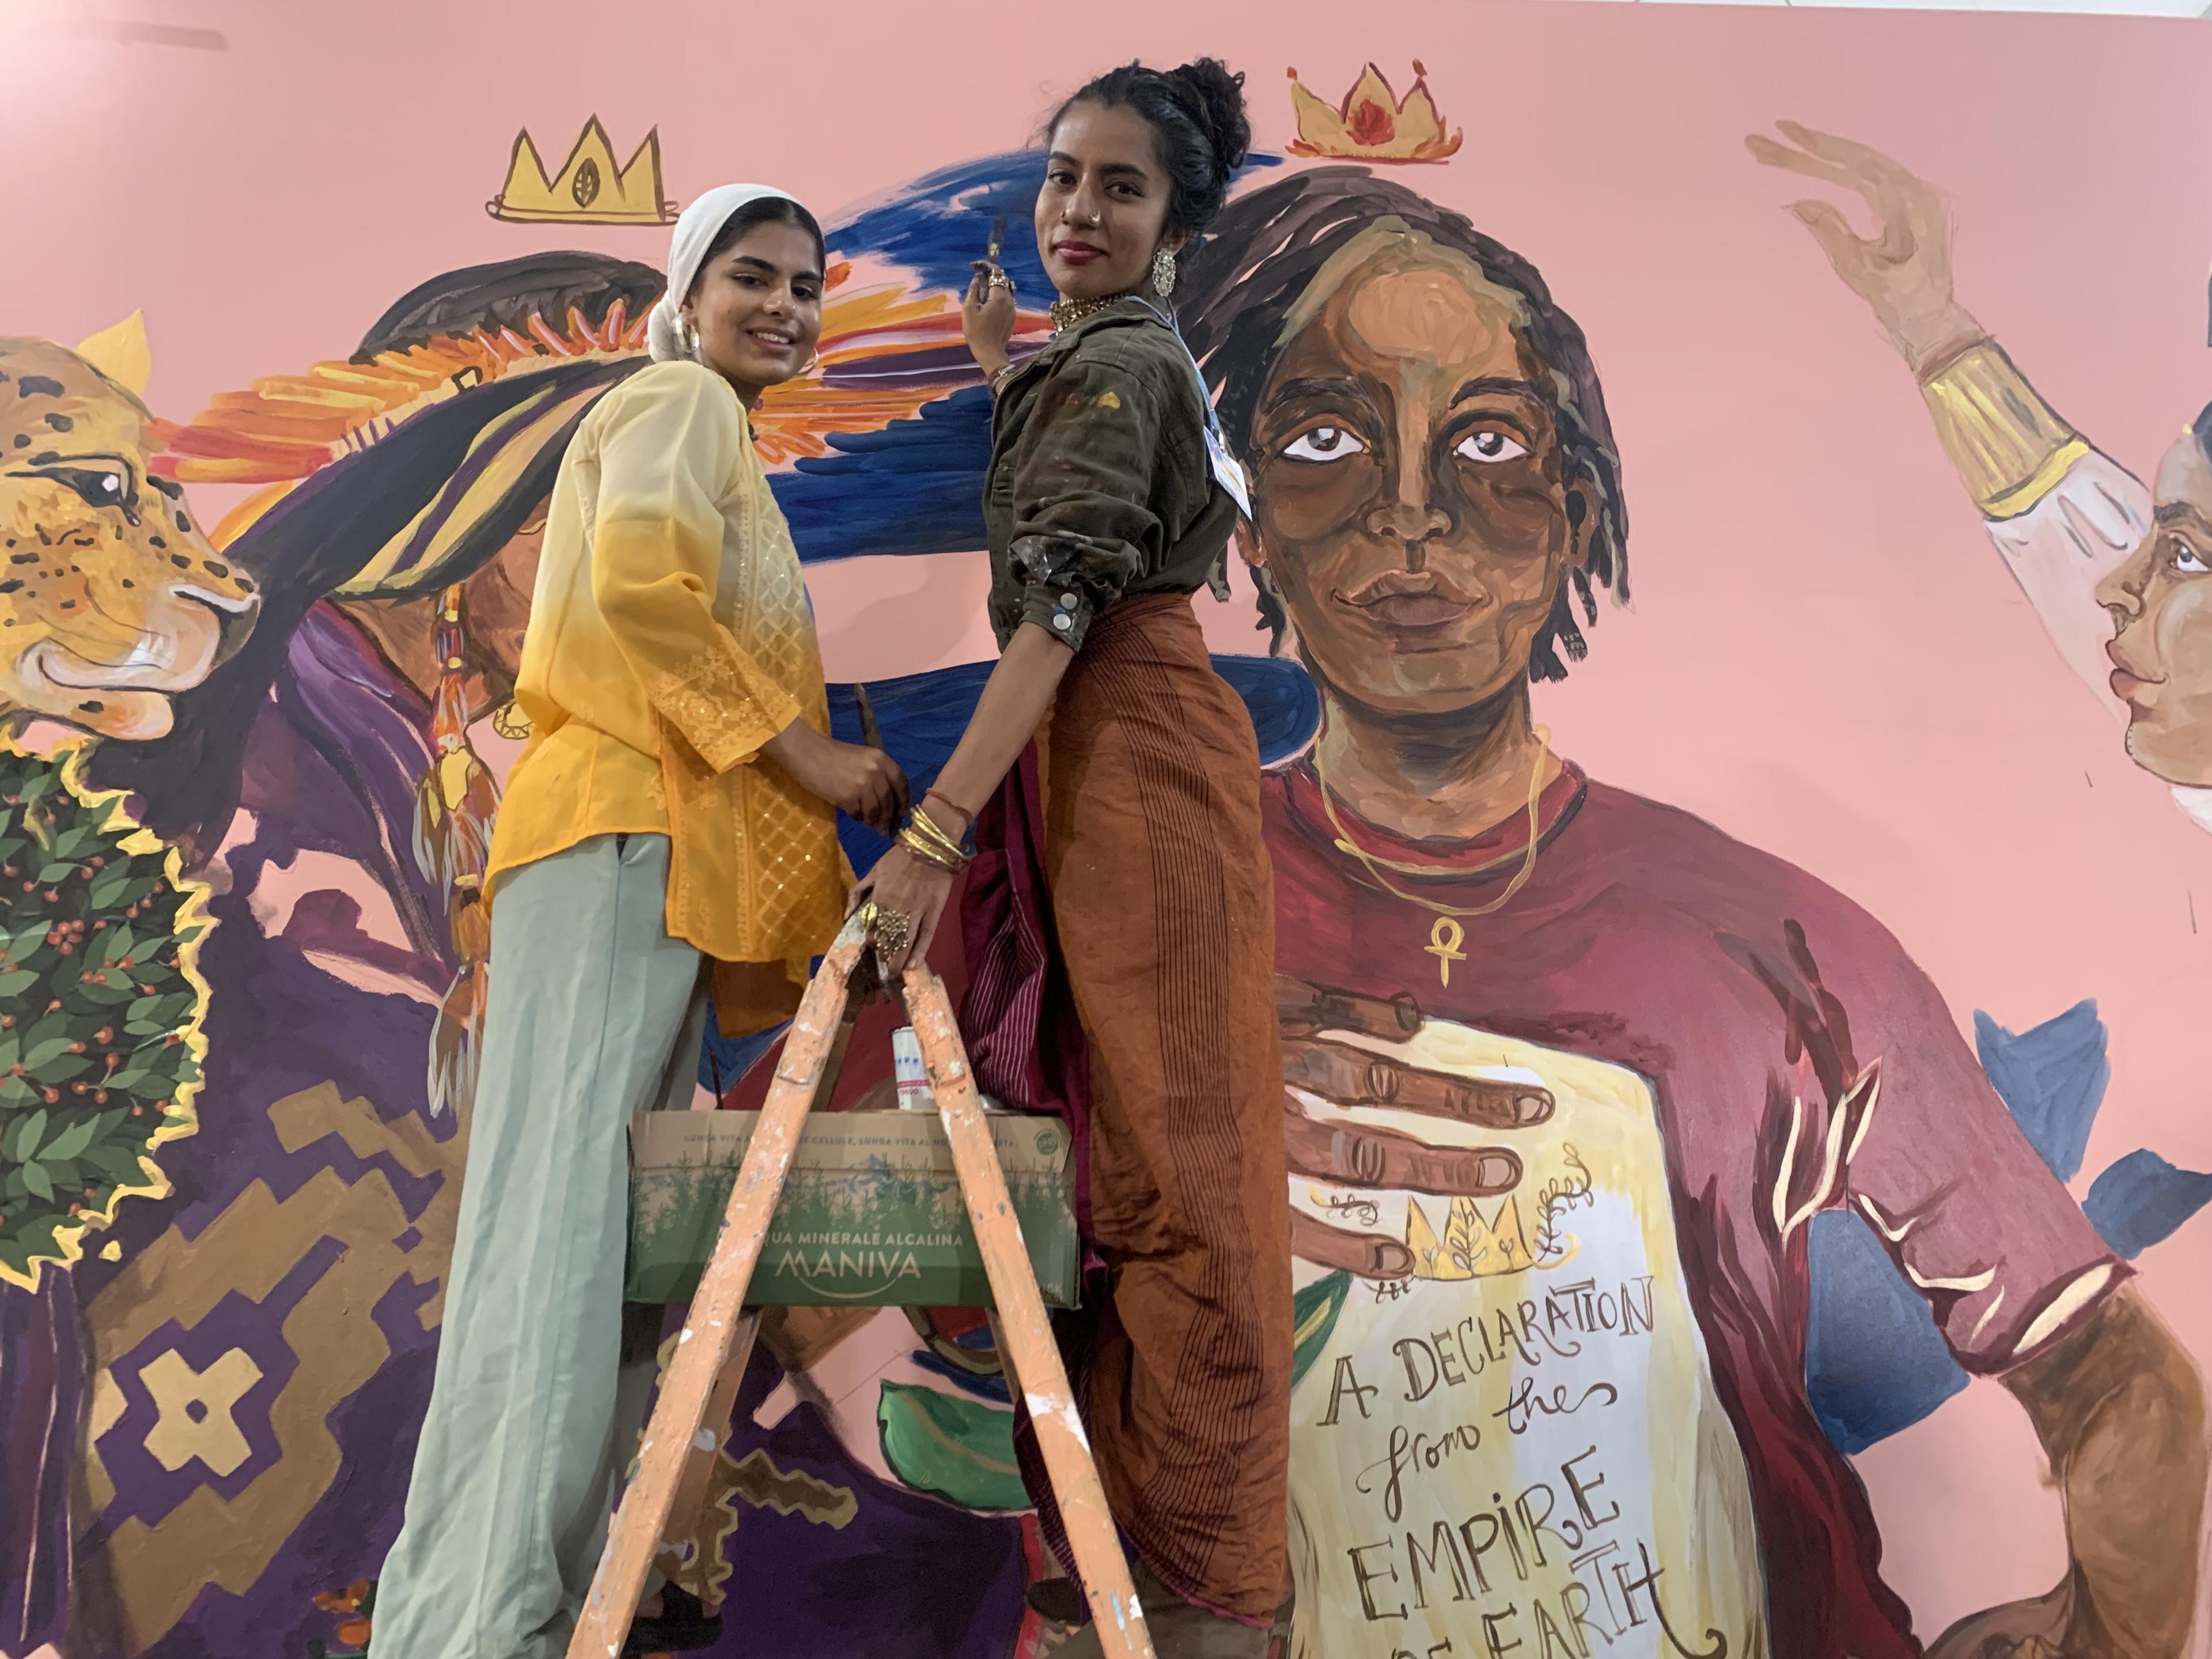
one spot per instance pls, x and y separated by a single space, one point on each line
1163 900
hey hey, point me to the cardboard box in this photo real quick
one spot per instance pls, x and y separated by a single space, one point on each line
870 1213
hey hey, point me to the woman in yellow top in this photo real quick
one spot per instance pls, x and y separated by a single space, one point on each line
672 823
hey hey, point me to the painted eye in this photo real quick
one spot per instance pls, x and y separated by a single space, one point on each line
1490 446
2186 560
99 486
1323 443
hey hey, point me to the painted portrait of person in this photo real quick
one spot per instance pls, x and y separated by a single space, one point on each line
2111 565
1571 1071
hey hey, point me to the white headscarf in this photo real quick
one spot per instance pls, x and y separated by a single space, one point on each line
695 230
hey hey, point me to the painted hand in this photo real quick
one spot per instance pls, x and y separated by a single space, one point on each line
1903 271
1343 1074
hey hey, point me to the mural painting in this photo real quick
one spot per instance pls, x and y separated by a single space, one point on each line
1642 1179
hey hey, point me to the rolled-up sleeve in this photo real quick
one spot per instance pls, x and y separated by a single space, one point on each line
1934 1162
1084 527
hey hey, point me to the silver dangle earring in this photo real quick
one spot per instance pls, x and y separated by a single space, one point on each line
1163 272
691 339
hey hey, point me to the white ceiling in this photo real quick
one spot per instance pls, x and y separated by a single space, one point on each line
2101 8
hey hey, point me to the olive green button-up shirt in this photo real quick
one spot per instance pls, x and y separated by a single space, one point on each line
1100 488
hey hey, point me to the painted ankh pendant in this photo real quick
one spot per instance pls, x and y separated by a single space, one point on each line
1445 939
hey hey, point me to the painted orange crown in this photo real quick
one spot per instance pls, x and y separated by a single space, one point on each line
590 188
1372 124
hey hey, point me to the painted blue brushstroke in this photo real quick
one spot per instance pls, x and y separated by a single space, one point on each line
937 225
2053 1080
916 487
921 717
2142 1199
723 1061
1875 1363
986 1387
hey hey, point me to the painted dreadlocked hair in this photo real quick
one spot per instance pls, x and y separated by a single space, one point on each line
1264 253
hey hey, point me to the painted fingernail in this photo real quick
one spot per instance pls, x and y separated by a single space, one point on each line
1392 1259
1531 1108
1498 1170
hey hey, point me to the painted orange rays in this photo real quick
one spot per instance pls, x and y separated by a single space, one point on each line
287 426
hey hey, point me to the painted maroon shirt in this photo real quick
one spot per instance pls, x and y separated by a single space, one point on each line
1758 1003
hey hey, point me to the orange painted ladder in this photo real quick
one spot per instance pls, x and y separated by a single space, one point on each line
679 1450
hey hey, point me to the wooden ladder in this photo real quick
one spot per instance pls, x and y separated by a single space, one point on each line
677 1456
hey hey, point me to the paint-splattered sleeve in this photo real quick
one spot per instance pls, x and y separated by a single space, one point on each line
1927 1151
1084 524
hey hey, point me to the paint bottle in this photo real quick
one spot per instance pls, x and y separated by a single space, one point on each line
913 1076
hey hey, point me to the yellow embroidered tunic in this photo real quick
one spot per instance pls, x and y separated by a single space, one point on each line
670 637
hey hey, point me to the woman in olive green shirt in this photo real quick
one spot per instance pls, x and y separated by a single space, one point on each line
1107 508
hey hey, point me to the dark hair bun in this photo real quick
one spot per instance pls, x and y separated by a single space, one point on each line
1214 95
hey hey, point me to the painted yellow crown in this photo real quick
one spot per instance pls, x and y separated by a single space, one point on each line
1473 1246
1372 124
590 189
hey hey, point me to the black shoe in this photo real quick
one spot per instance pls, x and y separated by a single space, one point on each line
1058 1600
683 1626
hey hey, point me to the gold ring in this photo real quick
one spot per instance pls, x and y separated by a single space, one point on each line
891 929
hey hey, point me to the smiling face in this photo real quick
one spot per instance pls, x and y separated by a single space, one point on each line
757 308
1412 503
2161 602
111 600
1103 211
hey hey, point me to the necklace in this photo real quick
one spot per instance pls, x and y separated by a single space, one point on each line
1376 865
1066 314
1446 935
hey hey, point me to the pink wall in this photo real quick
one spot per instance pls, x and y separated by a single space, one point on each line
1824 658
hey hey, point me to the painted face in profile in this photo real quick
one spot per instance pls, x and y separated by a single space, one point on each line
1412 504
2161 602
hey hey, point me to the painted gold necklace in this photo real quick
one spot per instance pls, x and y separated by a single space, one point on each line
1445 935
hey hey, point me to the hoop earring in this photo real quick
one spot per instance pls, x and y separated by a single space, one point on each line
1163 272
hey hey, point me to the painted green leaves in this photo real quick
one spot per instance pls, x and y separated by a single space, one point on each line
100 1011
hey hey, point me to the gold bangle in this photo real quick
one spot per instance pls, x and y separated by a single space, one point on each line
928 828
2010 448
928 854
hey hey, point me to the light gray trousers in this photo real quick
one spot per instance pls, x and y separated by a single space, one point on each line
595 1014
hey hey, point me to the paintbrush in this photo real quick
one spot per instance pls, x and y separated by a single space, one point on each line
871 734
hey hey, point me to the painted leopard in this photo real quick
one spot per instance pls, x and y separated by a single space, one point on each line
111 599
